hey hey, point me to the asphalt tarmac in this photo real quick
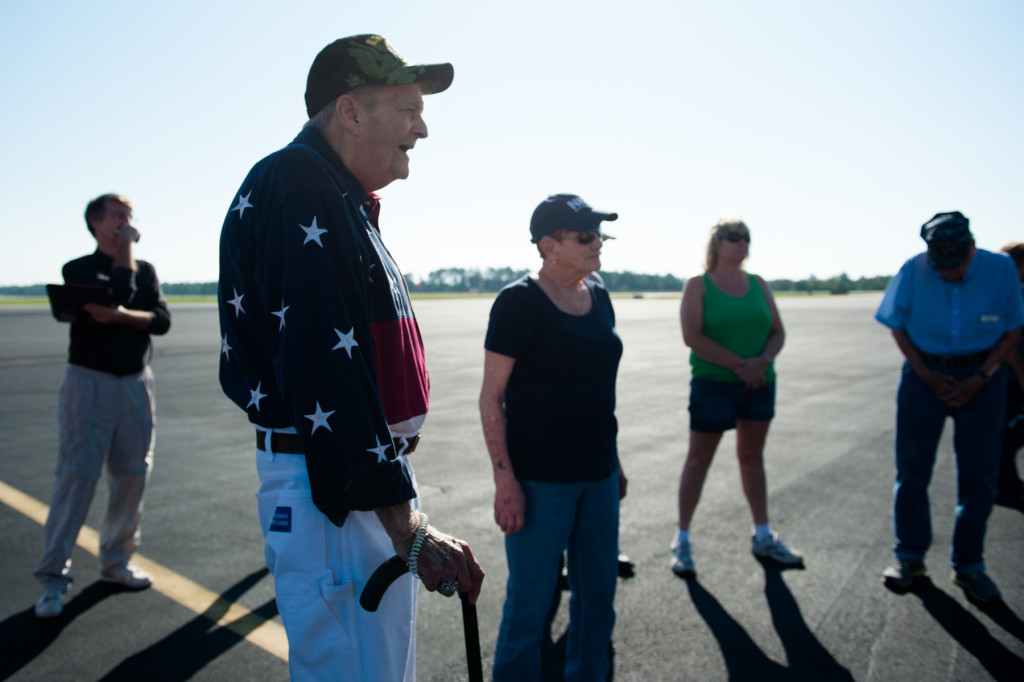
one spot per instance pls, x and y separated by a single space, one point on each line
211 614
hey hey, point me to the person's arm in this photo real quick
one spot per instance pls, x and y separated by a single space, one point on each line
777 333
509 502
441 556
126 237
966 388
691 317
141 287
751 370
1013 359
136 319
942 385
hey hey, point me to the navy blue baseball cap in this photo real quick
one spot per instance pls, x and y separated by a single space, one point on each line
565 212
949 240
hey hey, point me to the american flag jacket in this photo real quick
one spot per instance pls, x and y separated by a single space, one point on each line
317 330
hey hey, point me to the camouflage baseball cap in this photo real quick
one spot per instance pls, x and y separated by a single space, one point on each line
367 59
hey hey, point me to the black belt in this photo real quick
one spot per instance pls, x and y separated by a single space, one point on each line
291 444
956 361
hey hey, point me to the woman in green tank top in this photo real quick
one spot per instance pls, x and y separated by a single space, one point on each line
733 329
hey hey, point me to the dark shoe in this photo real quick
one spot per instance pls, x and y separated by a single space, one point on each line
977 586
50 603
901 576
627 569
1010 498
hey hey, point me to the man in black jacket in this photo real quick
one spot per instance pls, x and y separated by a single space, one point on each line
106 409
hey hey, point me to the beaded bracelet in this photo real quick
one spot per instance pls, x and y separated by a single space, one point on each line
414 553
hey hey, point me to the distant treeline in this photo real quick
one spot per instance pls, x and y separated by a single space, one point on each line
839 284
455 280
489 280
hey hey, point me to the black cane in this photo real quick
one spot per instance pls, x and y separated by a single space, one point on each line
390 571
385 574
472 632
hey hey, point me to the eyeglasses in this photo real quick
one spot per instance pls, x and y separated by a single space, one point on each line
586 237
737 237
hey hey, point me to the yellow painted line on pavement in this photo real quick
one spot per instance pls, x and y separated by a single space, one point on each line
268 635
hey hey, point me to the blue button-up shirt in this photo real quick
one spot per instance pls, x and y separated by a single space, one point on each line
954 318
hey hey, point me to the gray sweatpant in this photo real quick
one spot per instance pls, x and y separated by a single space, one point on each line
108 420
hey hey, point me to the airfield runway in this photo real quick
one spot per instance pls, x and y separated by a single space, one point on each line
211 614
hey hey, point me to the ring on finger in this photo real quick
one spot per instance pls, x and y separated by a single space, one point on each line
448 587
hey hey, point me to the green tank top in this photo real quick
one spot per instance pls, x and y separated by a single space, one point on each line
739 323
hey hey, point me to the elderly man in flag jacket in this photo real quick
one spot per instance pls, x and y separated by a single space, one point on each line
321 349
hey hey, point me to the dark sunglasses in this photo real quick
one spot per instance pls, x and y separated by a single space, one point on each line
737 237
588 237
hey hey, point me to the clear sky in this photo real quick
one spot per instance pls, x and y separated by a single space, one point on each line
833 128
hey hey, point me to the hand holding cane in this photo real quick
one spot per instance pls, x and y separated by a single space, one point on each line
395 567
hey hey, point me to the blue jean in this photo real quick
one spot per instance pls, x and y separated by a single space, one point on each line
977 434
584 517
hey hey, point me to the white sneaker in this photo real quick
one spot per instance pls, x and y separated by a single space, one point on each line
682 560
129 575
50 603
775 549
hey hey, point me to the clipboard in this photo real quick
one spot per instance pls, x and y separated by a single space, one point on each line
67 300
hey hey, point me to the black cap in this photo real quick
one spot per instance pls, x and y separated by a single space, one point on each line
367 59
565 212
949 240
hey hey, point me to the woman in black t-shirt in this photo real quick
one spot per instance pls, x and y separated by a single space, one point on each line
548 412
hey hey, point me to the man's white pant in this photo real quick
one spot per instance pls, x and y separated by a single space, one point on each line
319 571
104 420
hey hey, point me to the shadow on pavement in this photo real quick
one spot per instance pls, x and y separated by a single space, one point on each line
744 659
186 651
808 658
971 633
25 636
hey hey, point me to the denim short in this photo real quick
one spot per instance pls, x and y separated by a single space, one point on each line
716 405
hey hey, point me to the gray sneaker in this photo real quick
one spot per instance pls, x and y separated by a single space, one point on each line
775 549
50 603
901 576
682 560
129 575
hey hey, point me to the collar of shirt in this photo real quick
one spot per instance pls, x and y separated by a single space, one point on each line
372 206
311 137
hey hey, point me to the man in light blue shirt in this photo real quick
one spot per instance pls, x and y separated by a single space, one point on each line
955 312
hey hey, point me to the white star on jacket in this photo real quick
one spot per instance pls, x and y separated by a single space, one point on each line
237 302
380 450
312 233
319 418
256 397
225 349
346 341
280 313
243 203
393 283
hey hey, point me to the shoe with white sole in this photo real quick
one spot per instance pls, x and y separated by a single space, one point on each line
129 575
